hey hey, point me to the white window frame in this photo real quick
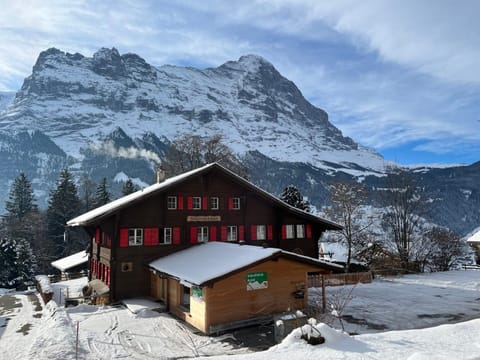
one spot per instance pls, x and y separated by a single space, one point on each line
214 203
167 236
289 231
196 203
300 230
232 233
135 237
202 234
261 232
236 203
172 203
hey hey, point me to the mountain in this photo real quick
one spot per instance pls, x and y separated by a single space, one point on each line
77 100
6 98
114 116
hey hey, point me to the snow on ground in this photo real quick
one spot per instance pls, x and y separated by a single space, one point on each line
113 332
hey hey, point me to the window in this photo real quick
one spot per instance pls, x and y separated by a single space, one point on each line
214 203
167 236
261 234
135 237
202 234
196 203
236 203
300 231
290 234
172 203
231 233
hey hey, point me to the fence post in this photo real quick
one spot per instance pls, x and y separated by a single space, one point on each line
324 300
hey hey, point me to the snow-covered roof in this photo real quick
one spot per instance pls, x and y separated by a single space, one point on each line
334 251
205 262
115 205
474 238
71 261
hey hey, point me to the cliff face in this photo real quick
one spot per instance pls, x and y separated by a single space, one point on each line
79 111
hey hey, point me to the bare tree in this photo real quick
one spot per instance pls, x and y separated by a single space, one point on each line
189 152
401 220
347 199
446 248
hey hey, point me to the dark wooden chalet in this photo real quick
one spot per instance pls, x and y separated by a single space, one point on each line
207 204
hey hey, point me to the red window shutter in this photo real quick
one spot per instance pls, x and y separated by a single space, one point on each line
213 233
180 203
284 232
241 233
97 235
230 203
108 275
253 232
205 203
176 235
193 235
223 234
269 232
189 203
309 231
150 236
105 273
123 237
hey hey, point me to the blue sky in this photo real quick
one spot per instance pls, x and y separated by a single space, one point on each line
402 77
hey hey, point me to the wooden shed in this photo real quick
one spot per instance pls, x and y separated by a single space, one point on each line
219 286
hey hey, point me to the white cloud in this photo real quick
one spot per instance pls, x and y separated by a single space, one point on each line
388 72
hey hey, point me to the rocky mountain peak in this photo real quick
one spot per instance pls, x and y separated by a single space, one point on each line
109 63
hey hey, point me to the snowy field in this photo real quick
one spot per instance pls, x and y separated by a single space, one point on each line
442 308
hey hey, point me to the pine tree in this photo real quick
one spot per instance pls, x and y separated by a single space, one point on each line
102 196
21 198
128 187
63 205
292 196
7 259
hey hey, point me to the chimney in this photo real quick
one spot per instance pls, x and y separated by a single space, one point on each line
160 174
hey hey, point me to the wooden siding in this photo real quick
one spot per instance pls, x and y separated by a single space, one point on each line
151 212
229 300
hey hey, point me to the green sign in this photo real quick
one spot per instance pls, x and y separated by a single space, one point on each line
197 293
257 280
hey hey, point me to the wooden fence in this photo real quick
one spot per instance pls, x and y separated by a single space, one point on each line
339 279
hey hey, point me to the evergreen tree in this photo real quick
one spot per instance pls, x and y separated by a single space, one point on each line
20 209
102 196
128 187
87 193
292 196
18 262
7 259
21 198
63 205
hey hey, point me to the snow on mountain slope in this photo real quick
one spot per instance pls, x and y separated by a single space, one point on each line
77 100
6 98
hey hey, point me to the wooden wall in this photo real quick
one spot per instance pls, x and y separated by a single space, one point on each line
228 300
151 212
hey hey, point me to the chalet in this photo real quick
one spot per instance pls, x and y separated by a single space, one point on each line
205 205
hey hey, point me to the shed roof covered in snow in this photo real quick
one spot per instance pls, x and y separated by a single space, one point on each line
71 261
92 216
475 238
207 262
